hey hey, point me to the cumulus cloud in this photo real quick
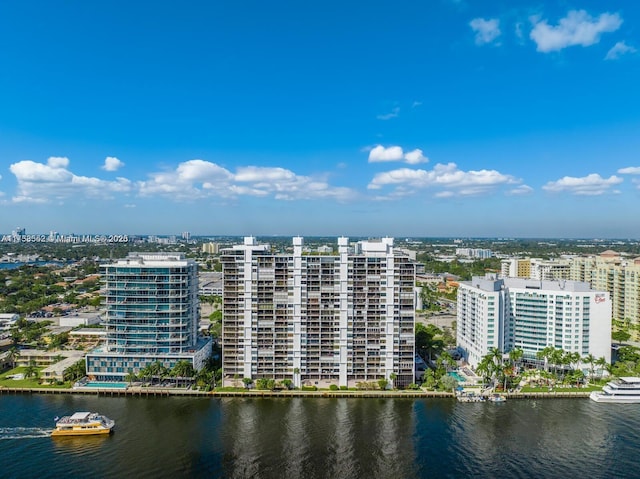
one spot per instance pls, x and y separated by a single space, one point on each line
577 28
486 31
111 163
199 178
388 116
590 185
45 182
447 179
630 170
618 50
414 157
380 154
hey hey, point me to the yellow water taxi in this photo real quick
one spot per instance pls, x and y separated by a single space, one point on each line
83 424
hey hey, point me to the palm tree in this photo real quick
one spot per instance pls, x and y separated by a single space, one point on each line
545 355
12 356
146 373
590 360
602 362
393 377
183 369
204 377
31 370
483 369
296 377
574 359
131 376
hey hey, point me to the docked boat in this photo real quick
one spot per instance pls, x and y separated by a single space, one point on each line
622 390
496 398
83 424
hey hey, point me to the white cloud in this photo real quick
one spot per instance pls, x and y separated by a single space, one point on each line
414 157
188 181
30 171
58 162
199 178
112 163
486 30
520 191
388 116
630 170
577 28
416 104
590 185
447 179
42 183
380 153
618 50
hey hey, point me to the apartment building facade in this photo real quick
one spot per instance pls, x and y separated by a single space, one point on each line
318 319
509 313
151 315
611 272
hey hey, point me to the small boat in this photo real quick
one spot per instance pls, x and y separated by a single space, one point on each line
83 424
497 398
622 390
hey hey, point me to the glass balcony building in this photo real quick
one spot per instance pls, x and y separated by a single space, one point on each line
151 315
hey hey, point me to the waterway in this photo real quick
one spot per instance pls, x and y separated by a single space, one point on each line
322 438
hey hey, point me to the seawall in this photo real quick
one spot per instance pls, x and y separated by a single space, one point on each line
159 392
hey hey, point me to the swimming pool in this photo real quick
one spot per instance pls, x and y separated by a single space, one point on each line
458 377
105 385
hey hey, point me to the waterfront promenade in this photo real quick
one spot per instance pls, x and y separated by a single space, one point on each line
159 392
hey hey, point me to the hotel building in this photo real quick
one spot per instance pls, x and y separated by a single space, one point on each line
531 315
318 319
151 315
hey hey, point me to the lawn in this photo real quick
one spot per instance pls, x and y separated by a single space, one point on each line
27 382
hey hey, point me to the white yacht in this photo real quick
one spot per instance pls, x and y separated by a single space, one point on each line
622 390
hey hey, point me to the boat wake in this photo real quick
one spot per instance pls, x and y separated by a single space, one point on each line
23 432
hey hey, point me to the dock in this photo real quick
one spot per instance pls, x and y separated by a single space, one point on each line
166 392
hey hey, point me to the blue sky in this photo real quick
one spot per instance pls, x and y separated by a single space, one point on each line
403 118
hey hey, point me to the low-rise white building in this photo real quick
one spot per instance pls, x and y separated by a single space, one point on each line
531 315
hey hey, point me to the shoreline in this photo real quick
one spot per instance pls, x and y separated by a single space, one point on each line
166 392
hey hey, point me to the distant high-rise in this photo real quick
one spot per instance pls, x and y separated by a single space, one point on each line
620 276
318 318
152 315
531 315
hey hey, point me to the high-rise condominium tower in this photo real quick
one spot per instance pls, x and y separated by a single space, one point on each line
319 318
152 315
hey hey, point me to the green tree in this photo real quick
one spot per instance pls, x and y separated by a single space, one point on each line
130 377
393 377
31 370
247 382
448 383
620 336
183 371
590 360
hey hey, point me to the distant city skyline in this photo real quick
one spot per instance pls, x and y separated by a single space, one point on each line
451 118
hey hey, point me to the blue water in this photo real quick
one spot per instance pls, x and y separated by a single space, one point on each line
457 376
322 438
34 263
107 385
